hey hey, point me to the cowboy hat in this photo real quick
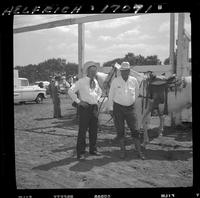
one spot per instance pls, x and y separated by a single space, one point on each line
90 64
125 66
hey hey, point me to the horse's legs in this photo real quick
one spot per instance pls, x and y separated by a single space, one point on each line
145 127
161 127
145 121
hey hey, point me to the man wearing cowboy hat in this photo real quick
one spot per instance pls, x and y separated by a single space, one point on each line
89 94
54 90
122 96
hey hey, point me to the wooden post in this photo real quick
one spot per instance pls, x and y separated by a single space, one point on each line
180 57
180 47
81 48
172 39
171 54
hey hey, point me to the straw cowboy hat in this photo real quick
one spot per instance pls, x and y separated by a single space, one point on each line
90 64
125 66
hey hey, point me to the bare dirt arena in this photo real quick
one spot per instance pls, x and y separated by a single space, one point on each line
46 156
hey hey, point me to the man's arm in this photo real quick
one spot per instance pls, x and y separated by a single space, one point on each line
67 85
72 92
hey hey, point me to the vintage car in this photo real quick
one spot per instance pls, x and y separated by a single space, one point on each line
43 84
23 92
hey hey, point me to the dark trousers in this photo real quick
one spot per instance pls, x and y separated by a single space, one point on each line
88 120
125 113
56 107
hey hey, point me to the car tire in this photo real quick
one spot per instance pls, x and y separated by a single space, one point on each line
39 99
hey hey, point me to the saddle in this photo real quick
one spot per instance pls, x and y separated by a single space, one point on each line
158 89
162 80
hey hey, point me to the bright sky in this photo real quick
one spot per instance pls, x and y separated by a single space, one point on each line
104 40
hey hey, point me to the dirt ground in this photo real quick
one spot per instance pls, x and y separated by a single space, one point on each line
46 156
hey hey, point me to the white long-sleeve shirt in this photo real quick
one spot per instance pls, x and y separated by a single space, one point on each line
86 94
123 92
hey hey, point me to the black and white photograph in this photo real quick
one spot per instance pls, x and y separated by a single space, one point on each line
102 101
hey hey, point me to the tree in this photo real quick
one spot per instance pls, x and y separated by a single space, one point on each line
71 69
43 70
152 60
167 60
135 60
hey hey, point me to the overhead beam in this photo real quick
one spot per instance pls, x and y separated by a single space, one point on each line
71 21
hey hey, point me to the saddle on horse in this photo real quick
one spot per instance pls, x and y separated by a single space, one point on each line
158 89
161 80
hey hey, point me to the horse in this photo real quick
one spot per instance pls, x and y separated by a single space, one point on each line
167 95
178 96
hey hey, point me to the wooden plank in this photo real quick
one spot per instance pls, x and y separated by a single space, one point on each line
144 68
71 21
154 68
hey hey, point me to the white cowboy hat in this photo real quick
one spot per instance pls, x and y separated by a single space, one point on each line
125 66
89 64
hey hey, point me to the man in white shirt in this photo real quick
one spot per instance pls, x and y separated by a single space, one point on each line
64 85
89 94
123 93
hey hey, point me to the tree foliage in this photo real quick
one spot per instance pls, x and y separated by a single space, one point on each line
167 60
51 67
44 70
135 60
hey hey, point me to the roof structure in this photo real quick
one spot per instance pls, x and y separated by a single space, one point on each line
53 21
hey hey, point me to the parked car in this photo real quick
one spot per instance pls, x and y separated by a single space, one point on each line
43 84
23 92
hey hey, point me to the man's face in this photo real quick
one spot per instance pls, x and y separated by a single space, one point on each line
125 74
92 71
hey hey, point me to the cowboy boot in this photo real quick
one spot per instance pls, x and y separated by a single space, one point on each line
138 148
122 148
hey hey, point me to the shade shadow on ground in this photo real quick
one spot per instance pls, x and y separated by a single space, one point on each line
180 133
113 156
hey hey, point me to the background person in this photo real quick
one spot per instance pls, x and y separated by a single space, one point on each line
64 85
54 93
